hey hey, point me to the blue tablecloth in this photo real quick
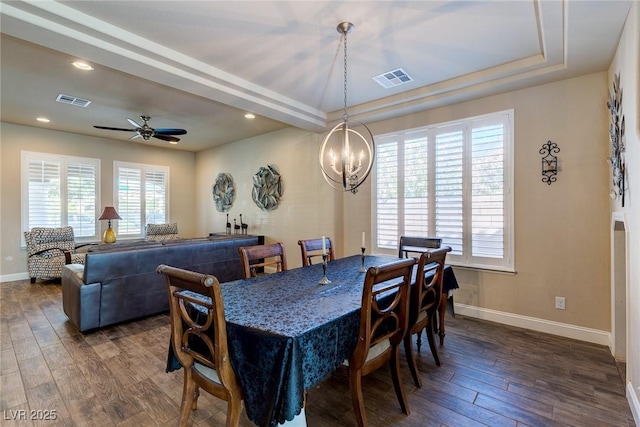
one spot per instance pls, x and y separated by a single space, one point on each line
286 333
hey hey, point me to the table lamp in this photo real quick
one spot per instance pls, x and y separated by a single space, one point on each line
109 213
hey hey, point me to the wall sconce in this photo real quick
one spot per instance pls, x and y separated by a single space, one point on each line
549 162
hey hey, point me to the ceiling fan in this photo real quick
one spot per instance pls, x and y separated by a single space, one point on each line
145 131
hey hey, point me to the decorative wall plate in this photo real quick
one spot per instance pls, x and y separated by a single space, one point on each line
267 188
224 192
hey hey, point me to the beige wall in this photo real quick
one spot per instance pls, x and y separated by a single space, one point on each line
308 207
560 229
15 138
627 64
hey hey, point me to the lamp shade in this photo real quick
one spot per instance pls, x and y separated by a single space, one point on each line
109 212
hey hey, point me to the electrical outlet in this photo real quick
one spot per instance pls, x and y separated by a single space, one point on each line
560 303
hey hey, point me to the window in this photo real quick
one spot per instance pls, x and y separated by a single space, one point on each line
451 181
60 190
142 197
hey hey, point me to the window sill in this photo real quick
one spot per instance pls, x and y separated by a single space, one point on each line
483 269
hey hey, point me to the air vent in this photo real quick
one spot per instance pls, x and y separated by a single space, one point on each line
393 78
68 99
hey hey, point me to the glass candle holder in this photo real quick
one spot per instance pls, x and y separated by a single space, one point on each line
325 280
362 269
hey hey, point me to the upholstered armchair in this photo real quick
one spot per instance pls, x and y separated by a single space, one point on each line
162 232
48 249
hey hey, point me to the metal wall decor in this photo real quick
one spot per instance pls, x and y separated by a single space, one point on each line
224 192
616 134
267 188
549 162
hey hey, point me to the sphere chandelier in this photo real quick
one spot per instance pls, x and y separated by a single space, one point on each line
348 150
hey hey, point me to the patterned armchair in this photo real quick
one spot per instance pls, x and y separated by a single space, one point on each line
48 249
162 232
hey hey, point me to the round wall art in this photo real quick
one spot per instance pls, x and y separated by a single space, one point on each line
224 192
267 188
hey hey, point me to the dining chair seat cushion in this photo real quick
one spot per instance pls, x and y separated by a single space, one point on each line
378 349
206 371
374 351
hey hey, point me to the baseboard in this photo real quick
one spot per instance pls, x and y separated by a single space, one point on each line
541 325
14 277
634 404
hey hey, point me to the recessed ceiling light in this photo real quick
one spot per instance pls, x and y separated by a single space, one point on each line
43 119
173 142
249 116
83 66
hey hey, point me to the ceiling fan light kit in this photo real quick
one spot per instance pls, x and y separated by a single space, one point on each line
145 131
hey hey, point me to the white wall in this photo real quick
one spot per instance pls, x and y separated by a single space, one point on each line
627 64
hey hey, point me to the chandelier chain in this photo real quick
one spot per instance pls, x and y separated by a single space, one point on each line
345 116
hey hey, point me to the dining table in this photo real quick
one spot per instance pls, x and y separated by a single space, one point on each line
286 332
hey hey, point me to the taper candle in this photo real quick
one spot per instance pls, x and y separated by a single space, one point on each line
324 246
363 245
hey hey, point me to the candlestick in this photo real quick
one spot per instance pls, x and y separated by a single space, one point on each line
362 269
325 280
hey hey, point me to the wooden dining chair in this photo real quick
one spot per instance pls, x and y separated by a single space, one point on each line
312 248
260 256
409 244
201 344
418 245
426 296
383 322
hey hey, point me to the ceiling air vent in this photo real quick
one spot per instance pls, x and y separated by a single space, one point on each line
393 78
68 99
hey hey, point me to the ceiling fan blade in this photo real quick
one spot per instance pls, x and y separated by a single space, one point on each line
110 128
166 137
137 135
170 131
133 123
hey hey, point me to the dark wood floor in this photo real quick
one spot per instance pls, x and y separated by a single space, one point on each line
492 375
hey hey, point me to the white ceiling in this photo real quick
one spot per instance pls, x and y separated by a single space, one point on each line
200 65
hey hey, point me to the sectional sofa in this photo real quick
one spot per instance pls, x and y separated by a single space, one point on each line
119 282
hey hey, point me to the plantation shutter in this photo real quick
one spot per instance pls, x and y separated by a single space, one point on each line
142 197
416 187
155 200
45 206
129 201
449 152
81 198
387 201
488 190
60 191
451 181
